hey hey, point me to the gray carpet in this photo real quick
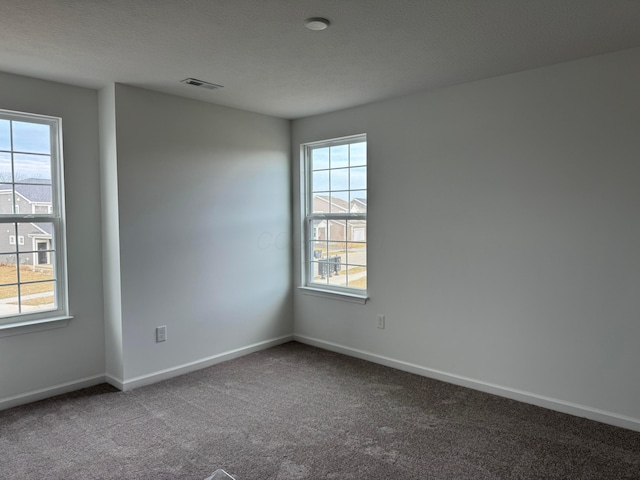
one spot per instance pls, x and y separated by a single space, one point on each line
297 412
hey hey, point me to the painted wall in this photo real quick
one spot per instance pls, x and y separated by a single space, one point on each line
504 234
502 223
47 359
204 219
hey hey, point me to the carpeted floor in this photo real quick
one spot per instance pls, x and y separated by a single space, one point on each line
297 412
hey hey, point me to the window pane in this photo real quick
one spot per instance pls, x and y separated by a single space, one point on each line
330 267
37 192
28 168
338 278
357 255
42 209
356 277
37 236
358 203
320 181
8 239
320 203
358 178
319 272
340 179
8 301
6 202
337 230
31 137
319 158
319 230
337 260
340 156
339 202
34 290
357 232
358 154
338 249
6 174
8 270
5 135
37 296
34 273
317 250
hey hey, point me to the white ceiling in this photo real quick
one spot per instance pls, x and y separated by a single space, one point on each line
269 63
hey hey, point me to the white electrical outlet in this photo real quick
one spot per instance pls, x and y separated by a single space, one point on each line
161 334
380 321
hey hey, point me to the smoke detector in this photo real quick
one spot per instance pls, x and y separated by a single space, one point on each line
200 83
316 23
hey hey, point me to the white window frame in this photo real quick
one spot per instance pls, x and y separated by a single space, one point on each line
25 322
308 230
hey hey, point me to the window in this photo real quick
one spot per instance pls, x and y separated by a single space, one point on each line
33 268
335 215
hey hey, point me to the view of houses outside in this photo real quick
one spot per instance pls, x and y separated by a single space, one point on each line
27 278
338 242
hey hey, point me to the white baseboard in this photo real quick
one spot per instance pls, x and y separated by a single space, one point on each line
197 365
514 394
67 387
114 382
47 392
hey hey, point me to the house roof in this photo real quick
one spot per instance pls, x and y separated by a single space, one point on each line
35 190
45 227
343 204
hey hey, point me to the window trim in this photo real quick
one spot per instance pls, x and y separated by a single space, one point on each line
338 292
36 321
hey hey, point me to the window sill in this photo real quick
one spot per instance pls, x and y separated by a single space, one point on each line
19 328
344 296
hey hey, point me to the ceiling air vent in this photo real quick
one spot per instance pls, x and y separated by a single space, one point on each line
200 83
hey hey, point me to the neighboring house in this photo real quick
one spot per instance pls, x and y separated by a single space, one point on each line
359 205
339 230
34 239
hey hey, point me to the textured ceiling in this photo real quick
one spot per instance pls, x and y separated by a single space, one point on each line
269 63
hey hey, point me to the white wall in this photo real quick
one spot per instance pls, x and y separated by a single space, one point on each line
204 218
504 236
52 359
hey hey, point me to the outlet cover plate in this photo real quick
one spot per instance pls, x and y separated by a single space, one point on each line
161 334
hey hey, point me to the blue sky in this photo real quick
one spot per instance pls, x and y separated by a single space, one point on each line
350 162
34 142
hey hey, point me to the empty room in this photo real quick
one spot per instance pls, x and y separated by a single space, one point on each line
309 239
